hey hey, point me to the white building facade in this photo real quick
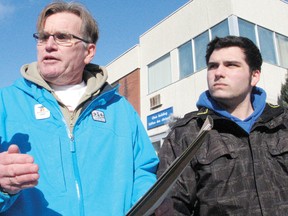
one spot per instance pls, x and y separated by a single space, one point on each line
171 55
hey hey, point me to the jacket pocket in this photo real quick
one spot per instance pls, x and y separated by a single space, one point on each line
277 161
215 147
216 157
47 149
278 150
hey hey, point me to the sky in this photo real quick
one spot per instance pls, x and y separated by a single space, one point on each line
121 23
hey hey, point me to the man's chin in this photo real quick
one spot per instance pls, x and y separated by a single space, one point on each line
220 95
221 98
49 76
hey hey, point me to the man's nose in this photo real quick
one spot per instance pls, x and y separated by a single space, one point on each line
220 70
51 43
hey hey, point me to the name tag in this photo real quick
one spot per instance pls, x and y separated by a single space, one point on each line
41 112
98 116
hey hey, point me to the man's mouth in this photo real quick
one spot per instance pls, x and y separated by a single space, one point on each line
49 59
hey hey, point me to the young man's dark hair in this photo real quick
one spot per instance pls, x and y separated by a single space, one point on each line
251 51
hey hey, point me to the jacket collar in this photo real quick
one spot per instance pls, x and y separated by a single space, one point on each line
95 77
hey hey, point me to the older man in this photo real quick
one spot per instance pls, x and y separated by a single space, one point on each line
81 148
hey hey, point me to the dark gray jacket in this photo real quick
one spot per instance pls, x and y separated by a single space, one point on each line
233 172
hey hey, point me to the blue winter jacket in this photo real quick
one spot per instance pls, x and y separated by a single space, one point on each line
100 167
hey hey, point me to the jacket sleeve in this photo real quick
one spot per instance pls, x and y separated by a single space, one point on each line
5 199
183 192
145 162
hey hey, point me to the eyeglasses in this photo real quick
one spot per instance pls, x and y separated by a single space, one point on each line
63 39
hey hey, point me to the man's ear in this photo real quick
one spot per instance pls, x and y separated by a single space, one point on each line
91 50
255 77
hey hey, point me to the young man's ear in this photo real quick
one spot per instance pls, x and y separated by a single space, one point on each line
255 77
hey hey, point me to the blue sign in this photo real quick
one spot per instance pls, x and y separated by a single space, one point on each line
159 118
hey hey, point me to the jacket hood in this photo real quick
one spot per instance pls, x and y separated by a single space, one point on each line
94 76
258 100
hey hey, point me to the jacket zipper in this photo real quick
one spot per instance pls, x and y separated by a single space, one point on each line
75 162
78 185
77 175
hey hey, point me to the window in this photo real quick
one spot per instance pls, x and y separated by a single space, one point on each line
282 45
220 30
267 45
185 59
159 73
247 29
201 42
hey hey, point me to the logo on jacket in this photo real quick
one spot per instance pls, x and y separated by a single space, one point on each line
98 116
41 112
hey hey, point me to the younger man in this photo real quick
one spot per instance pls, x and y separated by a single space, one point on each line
241 168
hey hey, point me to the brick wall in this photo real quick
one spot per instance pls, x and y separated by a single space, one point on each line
130 88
